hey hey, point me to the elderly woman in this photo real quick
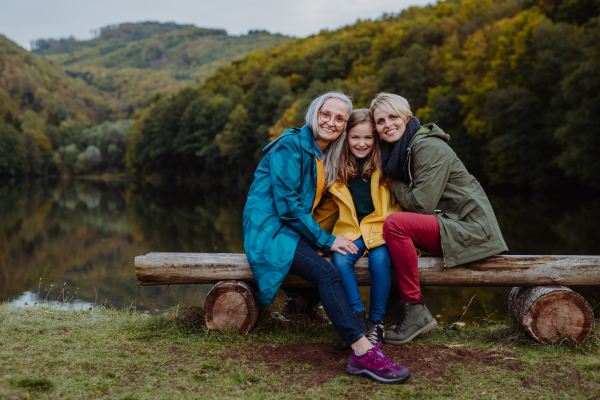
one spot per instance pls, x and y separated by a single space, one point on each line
448 215
280 235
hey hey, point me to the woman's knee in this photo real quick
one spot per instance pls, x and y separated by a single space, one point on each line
342 263
328 273
396 224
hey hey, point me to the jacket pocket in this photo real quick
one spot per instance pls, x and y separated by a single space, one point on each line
462 209
377 227
478 216
470 225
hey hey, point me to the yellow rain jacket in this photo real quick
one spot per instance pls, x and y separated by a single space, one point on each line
337 208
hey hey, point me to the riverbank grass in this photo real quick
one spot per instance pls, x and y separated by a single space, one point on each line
89 354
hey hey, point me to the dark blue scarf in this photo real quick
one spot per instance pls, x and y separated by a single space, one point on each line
393 155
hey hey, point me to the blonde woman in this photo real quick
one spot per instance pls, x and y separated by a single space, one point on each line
447 212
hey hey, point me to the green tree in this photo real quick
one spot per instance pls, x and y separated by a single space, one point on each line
33 159
408 76
92 158
12 150
161 126
580 132
574 12
233 139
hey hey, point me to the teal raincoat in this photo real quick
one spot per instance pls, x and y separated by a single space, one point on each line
278 209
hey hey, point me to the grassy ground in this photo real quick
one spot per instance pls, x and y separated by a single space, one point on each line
46 353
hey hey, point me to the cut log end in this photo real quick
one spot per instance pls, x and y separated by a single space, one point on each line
231 304
548 313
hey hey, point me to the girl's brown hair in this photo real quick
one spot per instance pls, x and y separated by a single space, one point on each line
348 165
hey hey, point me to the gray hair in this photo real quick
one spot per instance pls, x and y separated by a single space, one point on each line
334 149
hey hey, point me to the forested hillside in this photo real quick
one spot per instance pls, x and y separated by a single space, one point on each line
516 85
28 82
133 63
41 108
64 109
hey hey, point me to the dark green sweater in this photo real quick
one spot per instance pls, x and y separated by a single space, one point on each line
361 193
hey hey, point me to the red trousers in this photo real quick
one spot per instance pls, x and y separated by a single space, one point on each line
403 231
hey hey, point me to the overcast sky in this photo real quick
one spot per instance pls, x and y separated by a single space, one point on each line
25 20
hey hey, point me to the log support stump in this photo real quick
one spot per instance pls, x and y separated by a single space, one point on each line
551 312
231 304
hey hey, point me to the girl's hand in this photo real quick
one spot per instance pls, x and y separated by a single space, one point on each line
342 243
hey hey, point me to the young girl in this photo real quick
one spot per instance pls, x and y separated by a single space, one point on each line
360 201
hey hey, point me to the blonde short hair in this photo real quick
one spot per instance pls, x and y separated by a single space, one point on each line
392 104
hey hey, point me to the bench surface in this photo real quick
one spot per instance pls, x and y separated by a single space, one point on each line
182 268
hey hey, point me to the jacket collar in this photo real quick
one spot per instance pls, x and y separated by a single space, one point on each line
338 187
307 140
429 129
317 150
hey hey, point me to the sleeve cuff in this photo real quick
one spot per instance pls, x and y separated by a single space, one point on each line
327 246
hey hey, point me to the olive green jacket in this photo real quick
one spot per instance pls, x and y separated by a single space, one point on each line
437 182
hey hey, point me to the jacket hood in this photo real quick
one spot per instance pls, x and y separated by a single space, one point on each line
305 138
430 130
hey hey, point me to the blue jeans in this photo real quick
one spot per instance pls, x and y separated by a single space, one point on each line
379 267
308 265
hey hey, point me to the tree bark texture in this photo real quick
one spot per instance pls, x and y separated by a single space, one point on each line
181 268
551 312
231 304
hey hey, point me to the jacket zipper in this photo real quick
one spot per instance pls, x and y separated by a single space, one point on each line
409 174
443 254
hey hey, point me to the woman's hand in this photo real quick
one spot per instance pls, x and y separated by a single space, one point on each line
342 243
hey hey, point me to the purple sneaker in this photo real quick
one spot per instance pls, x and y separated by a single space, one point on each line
307 311
377 366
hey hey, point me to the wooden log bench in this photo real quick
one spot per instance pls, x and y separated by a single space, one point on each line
540 302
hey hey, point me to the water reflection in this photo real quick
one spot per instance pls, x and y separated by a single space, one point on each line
87 233
33 299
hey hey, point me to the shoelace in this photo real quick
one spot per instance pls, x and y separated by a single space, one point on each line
373 336
379 357
404 315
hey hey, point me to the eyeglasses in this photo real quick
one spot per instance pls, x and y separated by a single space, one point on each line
326 116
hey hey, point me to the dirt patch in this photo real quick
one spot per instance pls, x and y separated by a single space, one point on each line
431 362
317 363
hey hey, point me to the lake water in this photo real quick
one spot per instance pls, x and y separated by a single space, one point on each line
85 234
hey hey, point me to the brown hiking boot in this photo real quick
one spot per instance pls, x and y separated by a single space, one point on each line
416 320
